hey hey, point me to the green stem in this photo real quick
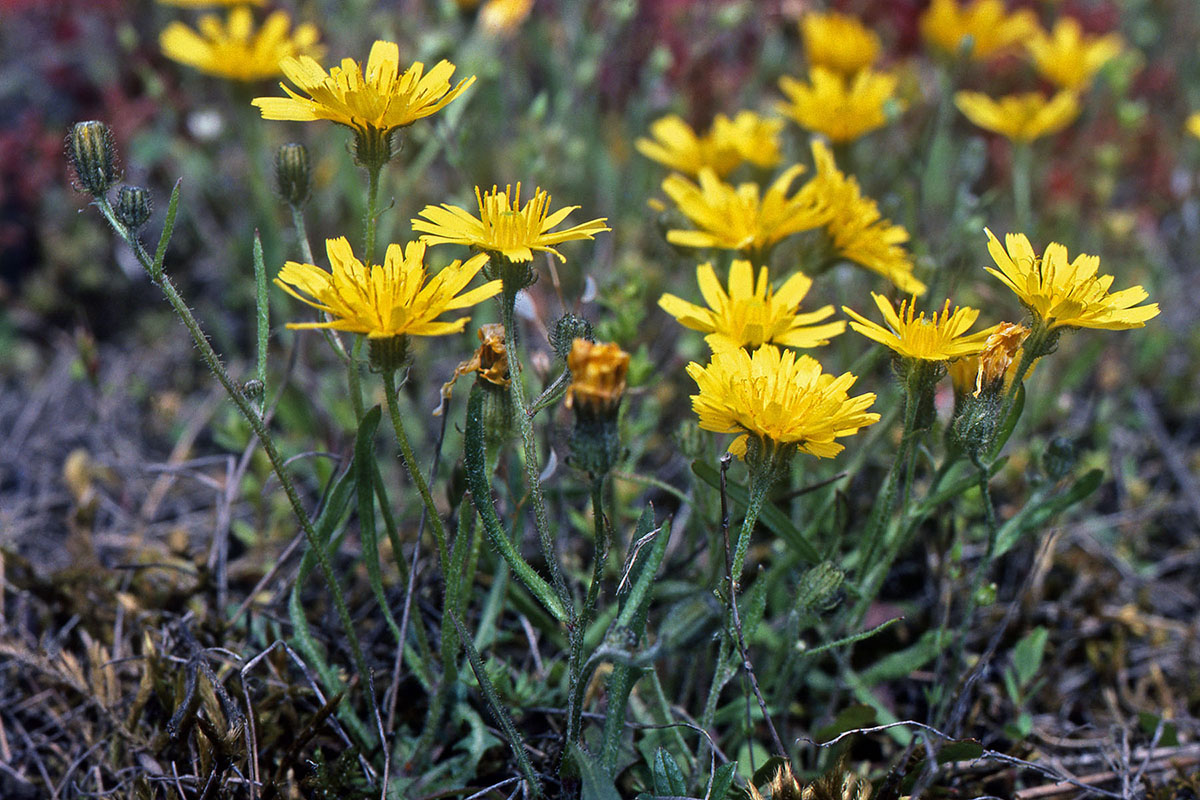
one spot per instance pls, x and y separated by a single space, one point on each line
1022 156
213 362
872 574
372 211
354 378
414 471
575 661
306 250
762 476
508 301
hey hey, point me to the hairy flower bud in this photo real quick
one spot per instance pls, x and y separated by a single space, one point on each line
93 157
293 176
133 206
567 329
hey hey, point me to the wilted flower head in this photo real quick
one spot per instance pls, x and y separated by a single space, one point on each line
504 226
742 218
1069 58
842 108
752 313
989 26
1061 293
234 49
1020 117
778 396
838 42
598 371
489 362
857 231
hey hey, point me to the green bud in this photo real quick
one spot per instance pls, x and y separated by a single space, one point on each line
567 329
253 389
293 177
1060 457
133 206
93 157
387 354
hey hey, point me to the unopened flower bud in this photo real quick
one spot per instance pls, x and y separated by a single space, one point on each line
133 206
93 157
1060 457
293 176
567 329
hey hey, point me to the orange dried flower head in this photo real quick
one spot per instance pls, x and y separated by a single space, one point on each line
598 373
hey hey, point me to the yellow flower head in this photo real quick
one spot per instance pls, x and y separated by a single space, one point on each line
1193 124
378 99
384 300
1060 293
234 49
752 313
942 337
728 143
503 17
1067 57
856 229
779 396
1020 117
841 108
598 373
838 42
988 24
503 225
740 218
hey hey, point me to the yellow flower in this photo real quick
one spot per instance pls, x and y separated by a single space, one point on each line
379 99
779 396
856 229
838 42
1066 294
503 17
841 108
747 137
740 218
384 300
1193 124
752 313
235 50
598 373
942 337
1020 117
1068 58
992 29
503 225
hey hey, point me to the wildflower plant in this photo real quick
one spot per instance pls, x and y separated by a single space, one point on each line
754 498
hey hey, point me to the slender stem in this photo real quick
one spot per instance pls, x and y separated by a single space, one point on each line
1022 157
761 478
414 471
354 378
213 362
508 299
733 606
306 250
372 212
575 662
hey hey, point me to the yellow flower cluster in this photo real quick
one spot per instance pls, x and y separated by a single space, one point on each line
729 143
1064 56
843 98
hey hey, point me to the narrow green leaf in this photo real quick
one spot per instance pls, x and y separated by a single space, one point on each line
668 777
1027 654
364 479
722 781
475 462
263 307
164 239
